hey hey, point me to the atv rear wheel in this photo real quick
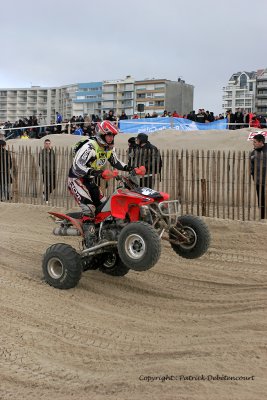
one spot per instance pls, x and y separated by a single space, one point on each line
62 266
197 233
139 246
113 265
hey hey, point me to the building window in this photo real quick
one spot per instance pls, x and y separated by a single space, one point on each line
250 86
243 81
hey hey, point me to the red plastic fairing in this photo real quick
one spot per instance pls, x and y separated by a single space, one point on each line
124 198
134 212
75 222
102 216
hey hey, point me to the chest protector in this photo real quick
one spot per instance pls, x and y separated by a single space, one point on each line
101 155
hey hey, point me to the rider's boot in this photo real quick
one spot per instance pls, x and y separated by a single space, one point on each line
88 212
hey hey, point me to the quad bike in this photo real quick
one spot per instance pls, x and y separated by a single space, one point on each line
129 227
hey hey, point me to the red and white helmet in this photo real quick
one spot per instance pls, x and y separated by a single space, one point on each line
105 128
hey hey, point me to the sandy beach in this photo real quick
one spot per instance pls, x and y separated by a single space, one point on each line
184 330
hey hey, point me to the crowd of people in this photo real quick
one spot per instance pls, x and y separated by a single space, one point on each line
33 127
241 119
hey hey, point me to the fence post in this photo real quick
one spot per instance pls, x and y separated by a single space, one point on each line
203 197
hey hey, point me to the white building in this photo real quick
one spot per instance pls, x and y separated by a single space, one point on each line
240 92
19 103
118 95
261 92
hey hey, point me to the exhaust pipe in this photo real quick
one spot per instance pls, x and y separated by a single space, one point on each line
64 231
93 250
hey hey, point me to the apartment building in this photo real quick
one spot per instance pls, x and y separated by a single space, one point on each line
157 95
240 92
86 100
261 92
96 98
18 103
119 96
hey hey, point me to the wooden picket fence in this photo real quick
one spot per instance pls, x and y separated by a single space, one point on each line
215 184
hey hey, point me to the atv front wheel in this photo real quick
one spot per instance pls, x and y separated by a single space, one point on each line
195 240
139 246
62 266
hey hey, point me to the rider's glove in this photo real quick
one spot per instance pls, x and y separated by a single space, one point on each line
108 174
140 170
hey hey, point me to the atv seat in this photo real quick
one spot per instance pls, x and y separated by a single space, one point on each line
76 215
79 214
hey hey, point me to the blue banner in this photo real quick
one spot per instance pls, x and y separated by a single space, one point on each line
149 125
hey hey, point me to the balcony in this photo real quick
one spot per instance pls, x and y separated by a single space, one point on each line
262 84
109 89
228 88
261 103
244 96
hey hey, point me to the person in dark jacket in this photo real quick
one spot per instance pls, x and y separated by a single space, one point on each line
258 165
132 147
149 156
5 172
239 119
47 162
111 116
123 116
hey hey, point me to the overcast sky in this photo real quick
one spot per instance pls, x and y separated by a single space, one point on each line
56 42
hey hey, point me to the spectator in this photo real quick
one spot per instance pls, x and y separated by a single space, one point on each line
132 146
255 123
258 164
262 120
110 117
123 116
239 119
5 172
24 134
149 156
47 162
58 121
135 116
87 122
192 116
231 119
209 116
78 131
201 116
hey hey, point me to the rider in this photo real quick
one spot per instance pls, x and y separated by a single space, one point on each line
88 165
